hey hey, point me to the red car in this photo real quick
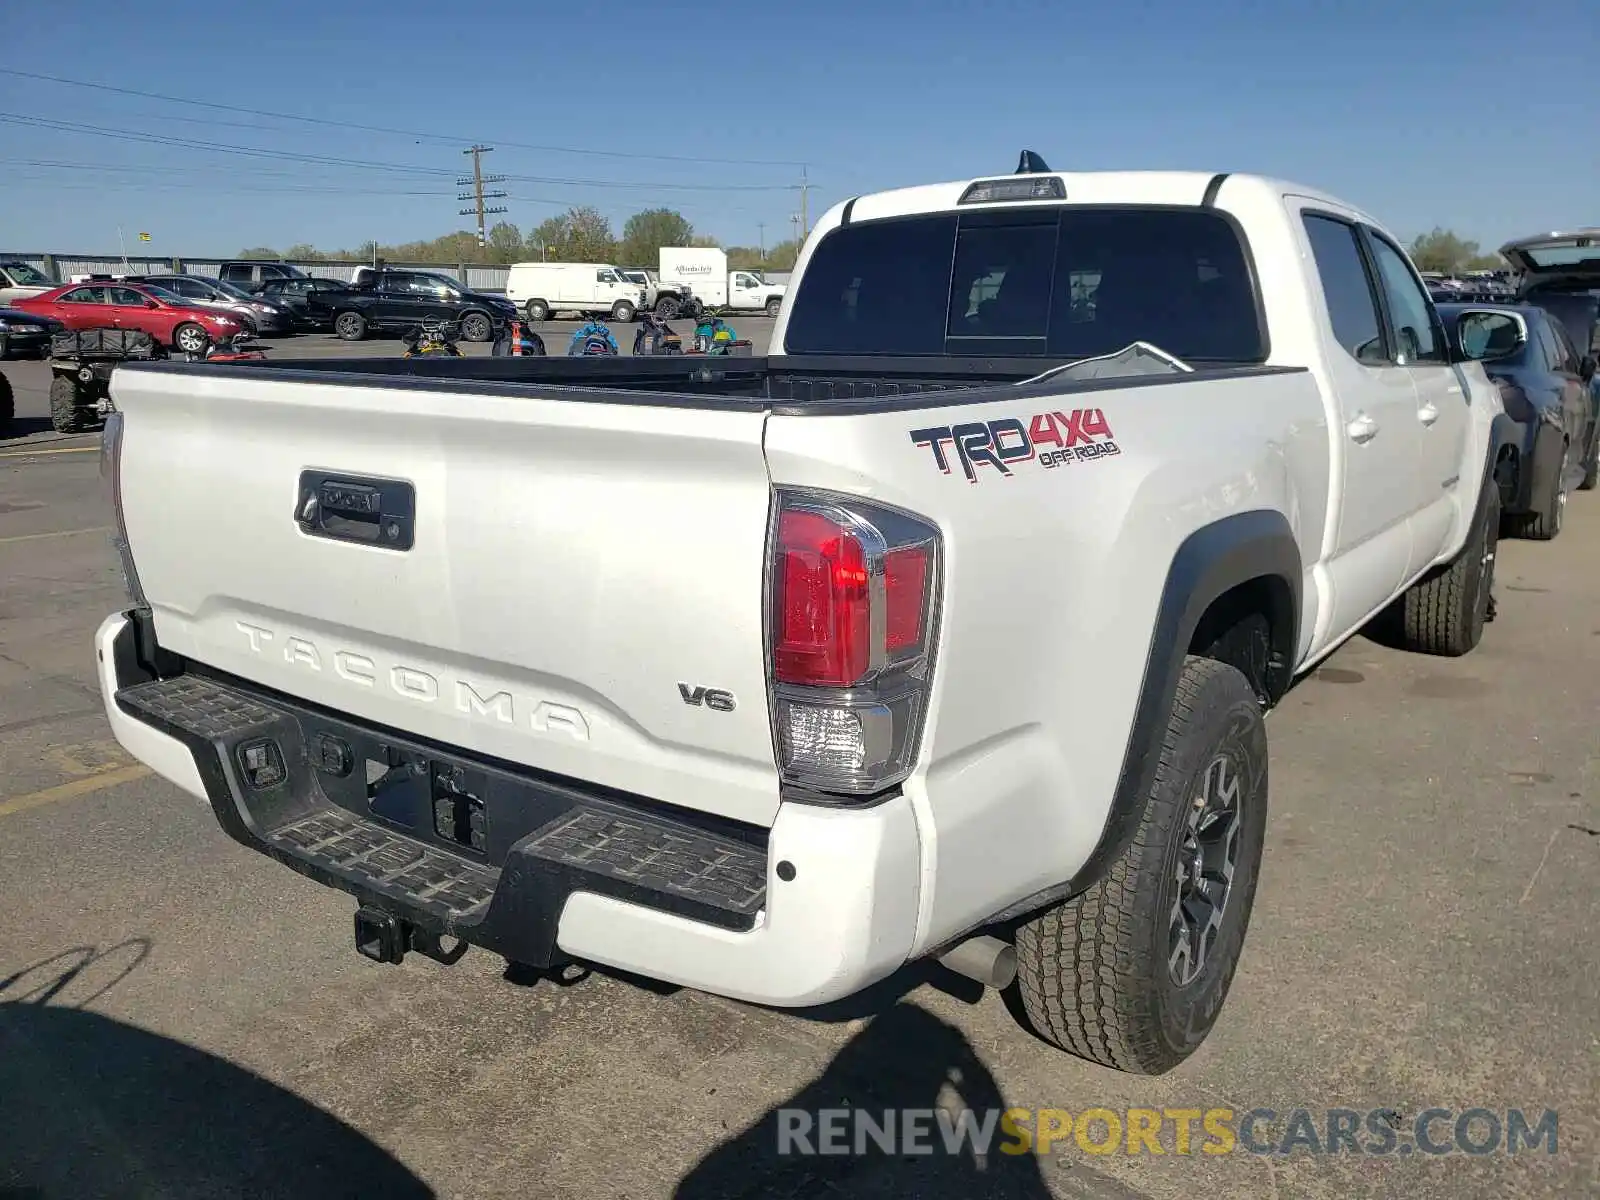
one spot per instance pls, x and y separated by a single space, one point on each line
163 315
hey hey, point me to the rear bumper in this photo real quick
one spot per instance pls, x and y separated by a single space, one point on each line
812 910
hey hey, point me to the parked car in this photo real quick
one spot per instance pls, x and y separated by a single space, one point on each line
1544 386
255 314
164 316
20 280
1560 272
401 300
290 295
768 676
24 333
245 272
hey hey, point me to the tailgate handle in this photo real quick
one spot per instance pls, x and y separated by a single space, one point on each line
357 508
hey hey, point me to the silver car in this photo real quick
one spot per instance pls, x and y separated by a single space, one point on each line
260 316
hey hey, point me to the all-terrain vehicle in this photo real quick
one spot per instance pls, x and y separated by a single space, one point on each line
81 362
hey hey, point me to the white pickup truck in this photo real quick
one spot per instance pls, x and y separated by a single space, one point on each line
946 630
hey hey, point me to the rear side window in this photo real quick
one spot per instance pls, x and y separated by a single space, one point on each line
881 287
1060 283
1347 288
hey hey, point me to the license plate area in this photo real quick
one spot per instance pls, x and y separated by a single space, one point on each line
415 791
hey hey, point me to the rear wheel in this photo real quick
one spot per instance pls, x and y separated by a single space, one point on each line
191 338
350 326
774 307
537 310
66 415
1445 611
1543 526
476 327
1132 973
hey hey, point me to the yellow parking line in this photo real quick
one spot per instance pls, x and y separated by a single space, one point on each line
75 787
63 450
34 537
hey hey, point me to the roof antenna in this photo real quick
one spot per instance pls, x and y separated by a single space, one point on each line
1031 164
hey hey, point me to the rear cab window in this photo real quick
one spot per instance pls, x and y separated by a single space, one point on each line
1047 282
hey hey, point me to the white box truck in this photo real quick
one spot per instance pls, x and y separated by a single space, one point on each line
594 289
701 274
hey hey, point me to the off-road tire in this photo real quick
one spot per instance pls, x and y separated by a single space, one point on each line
1445 611
350 326
8 406
667 308
477 327
1093 972
1544 526
66 416
537 310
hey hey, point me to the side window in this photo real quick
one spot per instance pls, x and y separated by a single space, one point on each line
84 295
1566 357
1409 310
127 297
1549 348
1352 303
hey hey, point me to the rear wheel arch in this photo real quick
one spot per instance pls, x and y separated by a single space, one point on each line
1224 578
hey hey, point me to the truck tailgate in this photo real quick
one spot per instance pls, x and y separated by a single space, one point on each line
576 570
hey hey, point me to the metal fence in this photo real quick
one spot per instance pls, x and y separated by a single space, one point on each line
62 267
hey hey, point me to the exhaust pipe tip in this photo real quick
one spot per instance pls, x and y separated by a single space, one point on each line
986 960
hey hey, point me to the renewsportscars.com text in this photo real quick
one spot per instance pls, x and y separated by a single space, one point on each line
1210 1131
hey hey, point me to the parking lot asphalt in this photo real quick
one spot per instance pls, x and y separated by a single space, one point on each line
179 1016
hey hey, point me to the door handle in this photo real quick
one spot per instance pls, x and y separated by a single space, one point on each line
1362 429
1428 413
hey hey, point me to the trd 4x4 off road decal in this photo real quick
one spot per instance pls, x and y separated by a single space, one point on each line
1050 439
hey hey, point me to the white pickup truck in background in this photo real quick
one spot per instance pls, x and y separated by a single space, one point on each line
693 277
946 630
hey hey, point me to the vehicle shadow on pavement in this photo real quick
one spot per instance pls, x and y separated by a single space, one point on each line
22 427
96 1107
906 1058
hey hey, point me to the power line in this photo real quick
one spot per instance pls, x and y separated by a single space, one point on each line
411 133
28 119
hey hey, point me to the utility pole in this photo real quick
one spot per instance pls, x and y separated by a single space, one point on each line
805 191
761 231
477 195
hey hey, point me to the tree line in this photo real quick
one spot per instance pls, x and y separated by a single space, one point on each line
583 234
578 235
1442 250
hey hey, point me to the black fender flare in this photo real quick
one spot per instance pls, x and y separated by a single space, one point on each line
1210 562
1544 468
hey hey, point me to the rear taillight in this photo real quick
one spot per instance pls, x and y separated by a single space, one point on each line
111 477
854 588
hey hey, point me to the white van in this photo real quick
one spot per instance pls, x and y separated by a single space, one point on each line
593 289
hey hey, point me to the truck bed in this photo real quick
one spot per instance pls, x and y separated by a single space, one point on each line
783 383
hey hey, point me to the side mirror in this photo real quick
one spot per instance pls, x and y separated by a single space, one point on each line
1483 335
1586 368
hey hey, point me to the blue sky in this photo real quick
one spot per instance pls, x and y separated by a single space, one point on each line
1475 116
